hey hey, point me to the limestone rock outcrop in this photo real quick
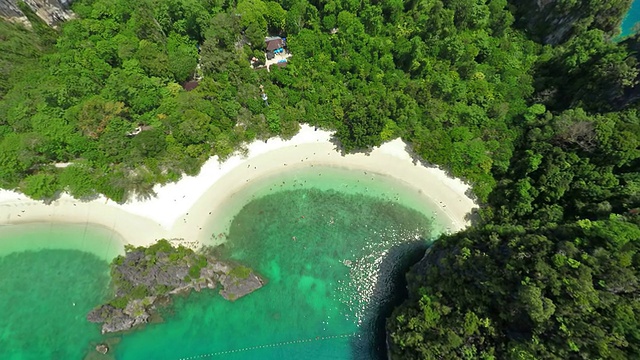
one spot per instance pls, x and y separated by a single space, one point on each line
50 11
145 278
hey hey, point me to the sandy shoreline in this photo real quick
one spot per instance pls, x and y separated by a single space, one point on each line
186 209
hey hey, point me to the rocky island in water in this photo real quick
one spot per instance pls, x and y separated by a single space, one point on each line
146 277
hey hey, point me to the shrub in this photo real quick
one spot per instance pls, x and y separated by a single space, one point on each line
241 272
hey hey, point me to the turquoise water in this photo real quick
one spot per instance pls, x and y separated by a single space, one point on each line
333 245
47 292
343 180
630 20
93 239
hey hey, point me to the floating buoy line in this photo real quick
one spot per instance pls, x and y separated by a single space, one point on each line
273 345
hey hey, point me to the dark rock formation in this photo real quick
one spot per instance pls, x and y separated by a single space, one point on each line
234 287
136 312
146 276
9 9
51 11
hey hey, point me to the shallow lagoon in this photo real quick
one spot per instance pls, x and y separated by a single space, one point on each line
48 287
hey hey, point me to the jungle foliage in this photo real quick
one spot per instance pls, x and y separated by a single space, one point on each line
504 291
549 137
452 79
551 269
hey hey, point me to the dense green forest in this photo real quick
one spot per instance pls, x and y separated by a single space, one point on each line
547 132
452 79
552 269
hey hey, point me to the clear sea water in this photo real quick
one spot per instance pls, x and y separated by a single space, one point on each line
50 277
631 19
332 243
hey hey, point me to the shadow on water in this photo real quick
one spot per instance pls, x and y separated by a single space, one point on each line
390 291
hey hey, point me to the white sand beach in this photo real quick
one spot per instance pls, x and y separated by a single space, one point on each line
184 210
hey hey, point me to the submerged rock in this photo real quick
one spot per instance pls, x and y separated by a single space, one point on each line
143 277
102 349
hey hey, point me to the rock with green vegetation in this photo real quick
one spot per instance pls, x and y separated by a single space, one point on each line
238 282
145 276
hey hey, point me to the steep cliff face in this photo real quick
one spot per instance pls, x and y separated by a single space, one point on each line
554 21
51 11
9 9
